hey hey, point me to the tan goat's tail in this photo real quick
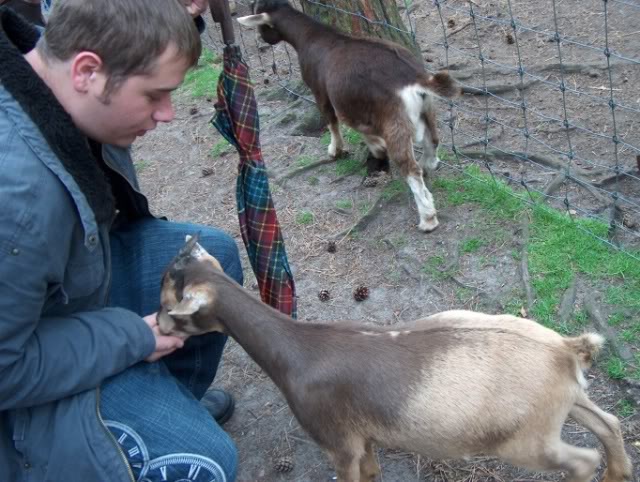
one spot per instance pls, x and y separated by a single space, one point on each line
441 84
586 347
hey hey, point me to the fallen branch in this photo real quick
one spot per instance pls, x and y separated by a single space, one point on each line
609 333
296 172
524 265
369 216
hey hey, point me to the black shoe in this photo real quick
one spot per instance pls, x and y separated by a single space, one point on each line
219 404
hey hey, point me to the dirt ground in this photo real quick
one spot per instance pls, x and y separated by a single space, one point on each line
185 181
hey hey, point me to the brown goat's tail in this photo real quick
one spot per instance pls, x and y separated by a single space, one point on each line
586 347
441 84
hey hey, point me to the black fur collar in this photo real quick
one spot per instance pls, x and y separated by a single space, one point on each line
17 37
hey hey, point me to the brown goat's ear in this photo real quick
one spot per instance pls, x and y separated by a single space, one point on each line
201 254
192 301
255 20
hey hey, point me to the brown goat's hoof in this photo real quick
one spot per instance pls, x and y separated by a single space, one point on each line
428 225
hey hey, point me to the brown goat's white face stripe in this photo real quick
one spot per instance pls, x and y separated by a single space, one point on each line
255 20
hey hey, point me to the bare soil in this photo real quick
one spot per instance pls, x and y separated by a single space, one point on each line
185 182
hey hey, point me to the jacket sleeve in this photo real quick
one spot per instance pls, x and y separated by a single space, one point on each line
45 359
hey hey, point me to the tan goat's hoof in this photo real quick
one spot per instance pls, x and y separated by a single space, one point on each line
429 224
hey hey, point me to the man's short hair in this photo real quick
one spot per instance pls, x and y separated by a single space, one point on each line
128 35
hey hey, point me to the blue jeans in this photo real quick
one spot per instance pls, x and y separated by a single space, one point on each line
152 409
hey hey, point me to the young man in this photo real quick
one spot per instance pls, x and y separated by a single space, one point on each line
90 391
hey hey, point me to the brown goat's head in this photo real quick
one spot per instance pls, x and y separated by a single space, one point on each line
262 18
186 298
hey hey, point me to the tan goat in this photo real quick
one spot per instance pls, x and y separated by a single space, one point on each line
452 385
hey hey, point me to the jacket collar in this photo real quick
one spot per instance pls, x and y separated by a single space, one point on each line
17 37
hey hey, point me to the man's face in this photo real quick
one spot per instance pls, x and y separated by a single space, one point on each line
137 104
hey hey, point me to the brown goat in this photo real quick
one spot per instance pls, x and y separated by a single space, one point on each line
377 87
452 385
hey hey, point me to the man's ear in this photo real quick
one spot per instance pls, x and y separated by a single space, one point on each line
87 72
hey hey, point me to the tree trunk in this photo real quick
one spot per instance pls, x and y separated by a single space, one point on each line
388 22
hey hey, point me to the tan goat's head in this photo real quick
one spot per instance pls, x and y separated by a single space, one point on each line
187 298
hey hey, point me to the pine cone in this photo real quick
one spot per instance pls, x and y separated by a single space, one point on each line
370 182
324 295
207 171
361 293
284 464
331 246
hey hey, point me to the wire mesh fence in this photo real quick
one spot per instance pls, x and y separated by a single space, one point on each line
550 102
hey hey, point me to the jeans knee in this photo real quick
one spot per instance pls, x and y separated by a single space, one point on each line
226 455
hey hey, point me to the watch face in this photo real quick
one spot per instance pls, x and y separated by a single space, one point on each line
132 446
169 468
184 468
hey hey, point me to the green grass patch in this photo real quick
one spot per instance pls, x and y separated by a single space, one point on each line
471 245
559 248
349 166
304 161
202 80
625 408
394 187
220 147
313 181
344 204
304 218
349 135
140 165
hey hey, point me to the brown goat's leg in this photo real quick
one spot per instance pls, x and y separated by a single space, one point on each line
430 141
369 469
607 428
347 465
337 143
400 149
377 159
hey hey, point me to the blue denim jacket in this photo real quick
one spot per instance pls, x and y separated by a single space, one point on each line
58 341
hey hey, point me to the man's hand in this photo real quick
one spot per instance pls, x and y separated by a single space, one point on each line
165 345
196 7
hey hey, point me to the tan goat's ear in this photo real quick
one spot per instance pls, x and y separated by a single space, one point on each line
255 20
191 302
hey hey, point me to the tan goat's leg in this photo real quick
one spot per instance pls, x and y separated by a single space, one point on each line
607 428
579 463
369 469
400 150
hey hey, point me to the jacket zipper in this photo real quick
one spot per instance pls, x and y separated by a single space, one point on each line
112 437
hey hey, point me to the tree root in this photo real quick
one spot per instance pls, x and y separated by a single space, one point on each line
618 347
383 200
554 185
567 68
301 170
495 154
524 265
567 304
498 88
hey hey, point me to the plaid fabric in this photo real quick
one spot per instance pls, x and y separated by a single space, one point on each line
237 120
